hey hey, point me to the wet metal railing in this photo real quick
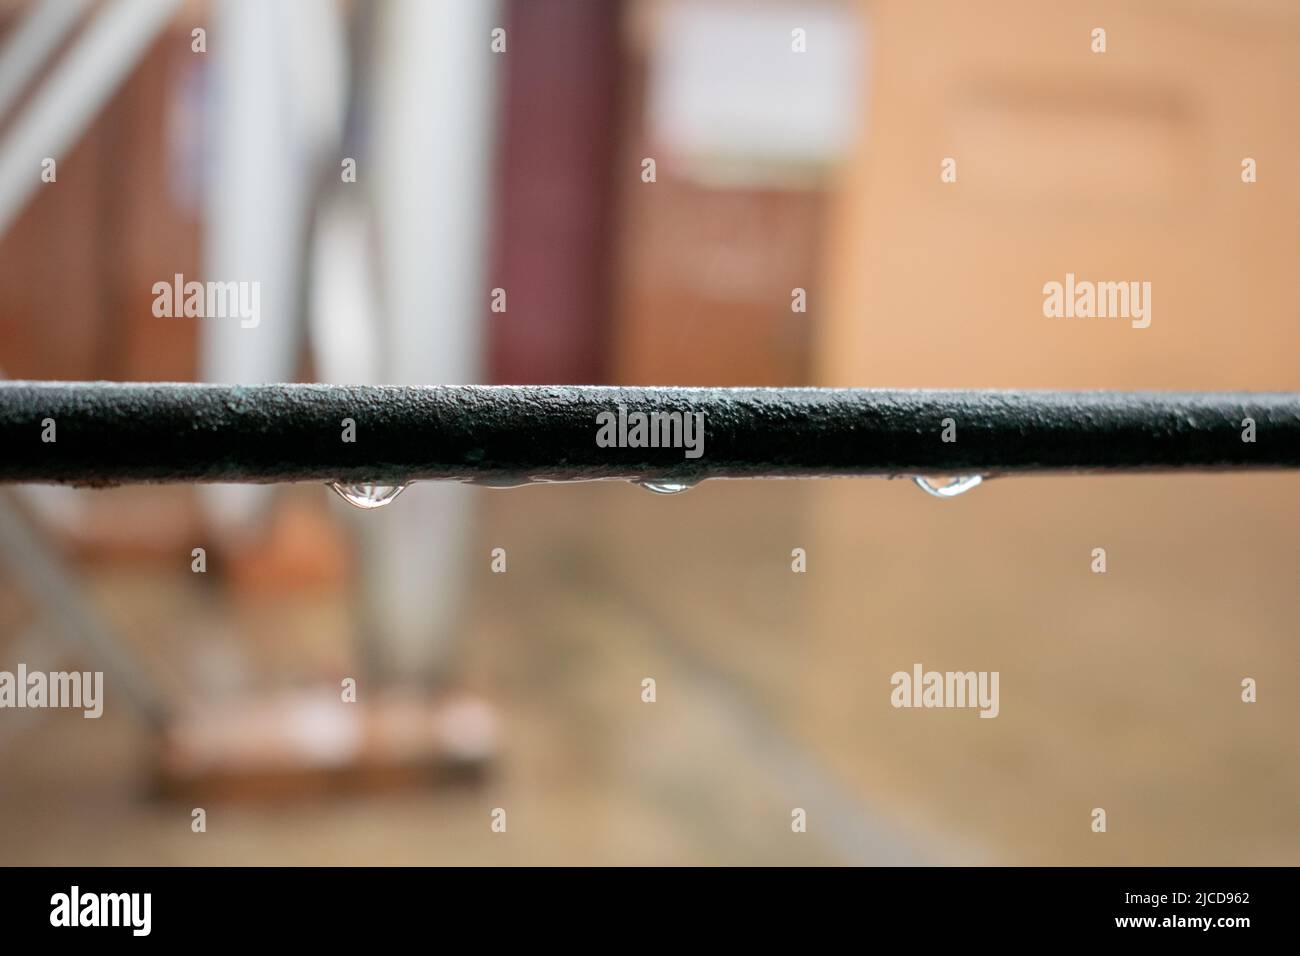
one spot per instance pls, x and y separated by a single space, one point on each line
105 433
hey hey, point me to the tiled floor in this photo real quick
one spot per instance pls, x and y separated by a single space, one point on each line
1118 691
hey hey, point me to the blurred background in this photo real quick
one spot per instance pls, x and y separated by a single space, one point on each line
502 226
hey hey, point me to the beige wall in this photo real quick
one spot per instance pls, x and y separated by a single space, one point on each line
1122 690
1116 166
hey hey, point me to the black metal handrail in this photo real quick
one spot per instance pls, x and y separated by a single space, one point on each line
107 433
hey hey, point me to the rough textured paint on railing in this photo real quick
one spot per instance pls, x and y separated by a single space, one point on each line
108 433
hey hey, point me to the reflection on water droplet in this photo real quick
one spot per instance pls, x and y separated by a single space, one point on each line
665 487
952 489
367 497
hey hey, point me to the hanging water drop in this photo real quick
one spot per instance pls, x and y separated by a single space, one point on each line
367 497
665 487
952 489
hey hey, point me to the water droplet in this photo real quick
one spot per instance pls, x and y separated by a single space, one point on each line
952 489
367 497
665 487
